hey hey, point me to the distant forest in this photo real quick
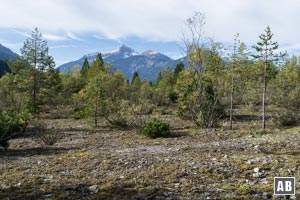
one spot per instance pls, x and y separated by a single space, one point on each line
4 67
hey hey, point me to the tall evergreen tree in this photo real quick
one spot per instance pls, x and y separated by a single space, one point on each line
265 52
135 77
97 66
85 69
178 68
35 54
98 63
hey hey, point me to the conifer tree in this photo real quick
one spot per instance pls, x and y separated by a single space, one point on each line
265 52
85 68
178 68
35 54
135 78
97 66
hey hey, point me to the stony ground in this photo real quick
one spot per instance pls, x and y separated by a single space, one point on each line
108 163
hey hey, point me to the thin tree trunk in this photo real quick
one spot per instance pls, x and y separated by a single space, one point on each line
34 92
95 116
231 102
264 98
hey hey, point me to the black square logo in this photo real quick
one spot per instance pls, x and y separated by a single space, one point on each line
284 185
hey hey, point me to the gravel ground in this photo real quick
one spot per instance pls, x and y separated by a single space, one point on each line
109 163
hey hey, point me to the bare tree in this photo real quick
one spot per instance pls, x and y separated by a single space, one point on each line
193 40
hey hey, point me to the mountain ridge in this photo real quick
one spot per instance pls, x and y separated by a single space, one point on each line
5 55
125 59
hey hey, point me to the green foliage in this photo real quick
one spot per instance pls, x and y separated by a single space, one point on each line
35 55
14 92
178 68
198 101
164 90
11 123
35 52
46 134
244 189
135 79
265 53
155 128
97 66
4 67
287 118
17 65
85 68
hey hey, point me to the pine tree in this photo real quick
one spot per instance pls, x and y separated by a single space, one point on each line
97 66
234 59
85 68
178 68
35 54
98 63
265 49
135 78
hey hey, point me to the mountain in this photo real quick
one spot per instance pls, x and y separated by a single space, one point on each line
148 63
5 55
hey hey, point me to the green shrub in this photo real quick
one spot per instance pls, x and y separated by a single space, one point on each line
287 118
156 128
244 189
46 134
11 123
78 115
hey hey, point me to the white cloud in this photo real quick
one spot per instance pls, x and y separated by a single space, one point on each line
60 46
52 37
154 20
12 46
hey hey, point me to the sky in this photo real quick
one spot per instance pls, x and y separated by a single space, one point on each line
75 27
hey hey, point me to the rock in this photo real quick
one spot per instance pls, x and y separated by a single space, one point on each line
94 188
266 195
257 175
263 181
176 184
48 195
249 162
225 156
4 186
195 189
256 169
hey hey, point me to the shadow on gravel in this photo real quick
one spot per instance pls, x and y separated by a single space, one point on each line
80 191
34 151
177 134
248 118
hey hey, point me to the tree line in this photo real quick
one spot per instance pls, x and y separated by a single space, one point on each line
209 91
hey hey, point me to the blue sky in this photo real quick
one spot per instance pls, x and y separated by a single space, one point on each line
75 27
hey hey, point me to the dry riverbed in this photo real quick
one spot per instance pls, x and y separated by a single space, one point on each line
109 163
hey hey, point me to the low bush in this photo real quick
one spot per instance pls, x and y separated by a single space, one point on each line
138 115
243 190
287 118
11 124
46 135
155 128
